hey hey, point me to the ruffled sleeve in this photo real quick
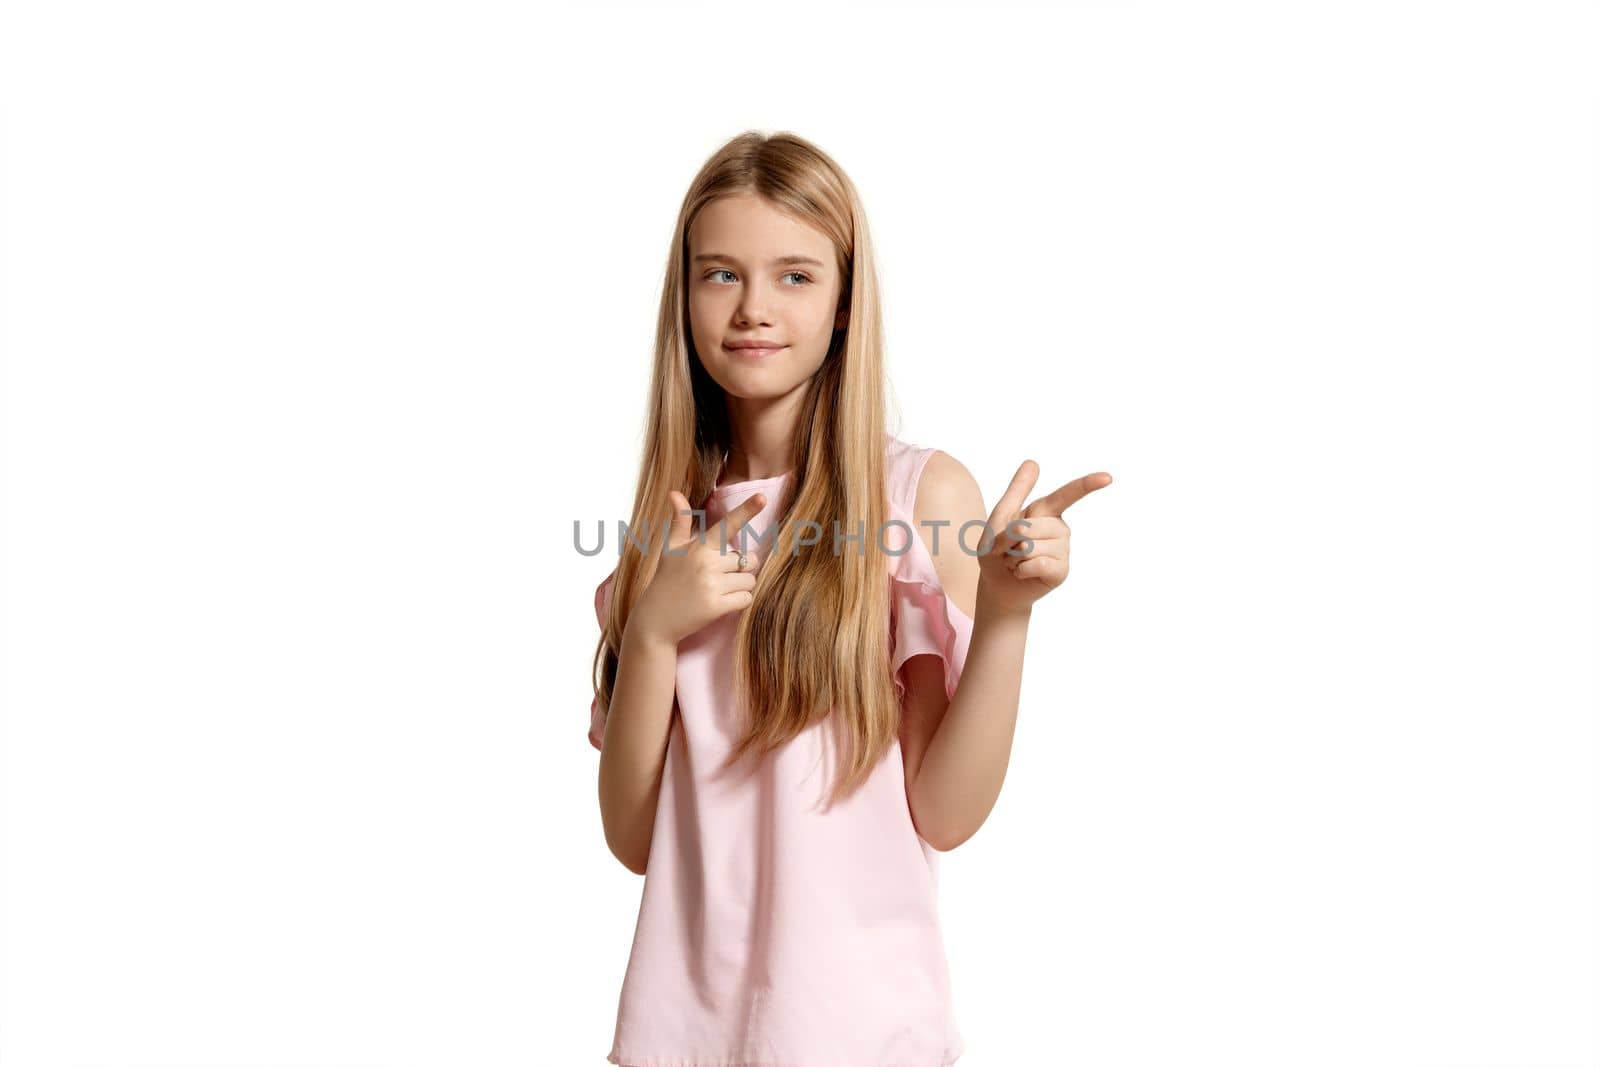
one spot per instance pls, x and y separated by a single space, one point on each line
602 604
923 618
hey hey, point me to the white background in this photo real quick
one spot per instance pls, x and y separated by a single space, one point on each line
322 323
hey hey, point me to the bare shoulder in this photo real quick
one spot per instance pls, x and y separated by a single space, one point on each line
947 498
946 488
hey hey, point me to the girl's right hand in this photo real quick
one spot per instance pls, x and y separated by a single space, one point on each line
697 582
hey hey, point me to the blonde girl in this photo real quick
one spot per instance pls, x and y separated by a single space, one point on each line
806 693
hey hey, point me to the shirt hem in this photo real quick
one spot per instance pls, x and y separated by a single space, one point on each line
620 1060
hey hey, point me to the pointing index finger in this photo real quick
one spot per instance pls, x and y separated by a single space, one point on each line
1063 498
737 518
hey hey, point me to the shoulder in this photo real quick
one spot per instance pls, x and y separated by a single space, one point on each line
921 478
947 497
945 489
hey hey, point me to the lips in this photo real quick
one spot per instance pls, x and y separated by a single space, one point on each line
753 353
752 346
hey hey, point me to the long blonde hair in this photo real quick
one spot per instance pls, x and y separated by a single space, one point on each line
816 636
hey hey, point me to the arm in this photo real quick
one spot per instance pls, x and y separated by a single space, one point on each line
693 585
957 752
635 746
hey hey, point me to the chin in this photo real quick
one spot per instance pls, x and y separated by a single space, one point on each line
759 390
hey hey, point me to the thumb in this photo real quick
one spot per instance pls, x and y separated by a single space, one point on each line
682 526
1009 507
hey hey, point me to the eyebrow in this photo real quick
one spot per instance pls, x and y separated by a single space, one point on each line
779 262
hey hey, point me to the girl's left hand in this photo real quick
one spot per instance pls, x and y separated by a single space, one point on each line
1010 580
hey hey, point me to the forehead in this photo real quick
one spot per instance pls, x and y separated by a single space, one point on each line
750 229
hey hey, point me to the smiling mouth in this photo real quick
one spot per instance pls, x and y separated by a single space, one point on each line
754 353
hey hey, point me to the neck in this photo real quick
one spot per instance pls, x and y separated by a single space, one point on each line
762 436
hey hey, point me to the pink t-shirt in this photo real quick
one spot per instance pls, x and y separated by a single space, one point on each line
771 932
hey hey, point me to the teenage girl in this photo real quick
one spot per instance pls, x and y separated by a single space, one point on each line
808 694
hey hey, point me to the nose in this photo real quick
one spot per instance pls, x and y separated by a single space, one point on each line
752 308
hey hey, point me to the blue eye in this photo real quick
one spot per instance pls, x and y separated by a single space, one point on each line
805 279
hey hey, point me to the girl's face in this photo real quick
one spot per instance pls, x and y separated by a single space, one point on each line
756 274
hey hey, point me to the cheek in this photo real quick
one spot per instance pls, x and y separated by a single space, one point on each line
819 324
702 319
709 306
